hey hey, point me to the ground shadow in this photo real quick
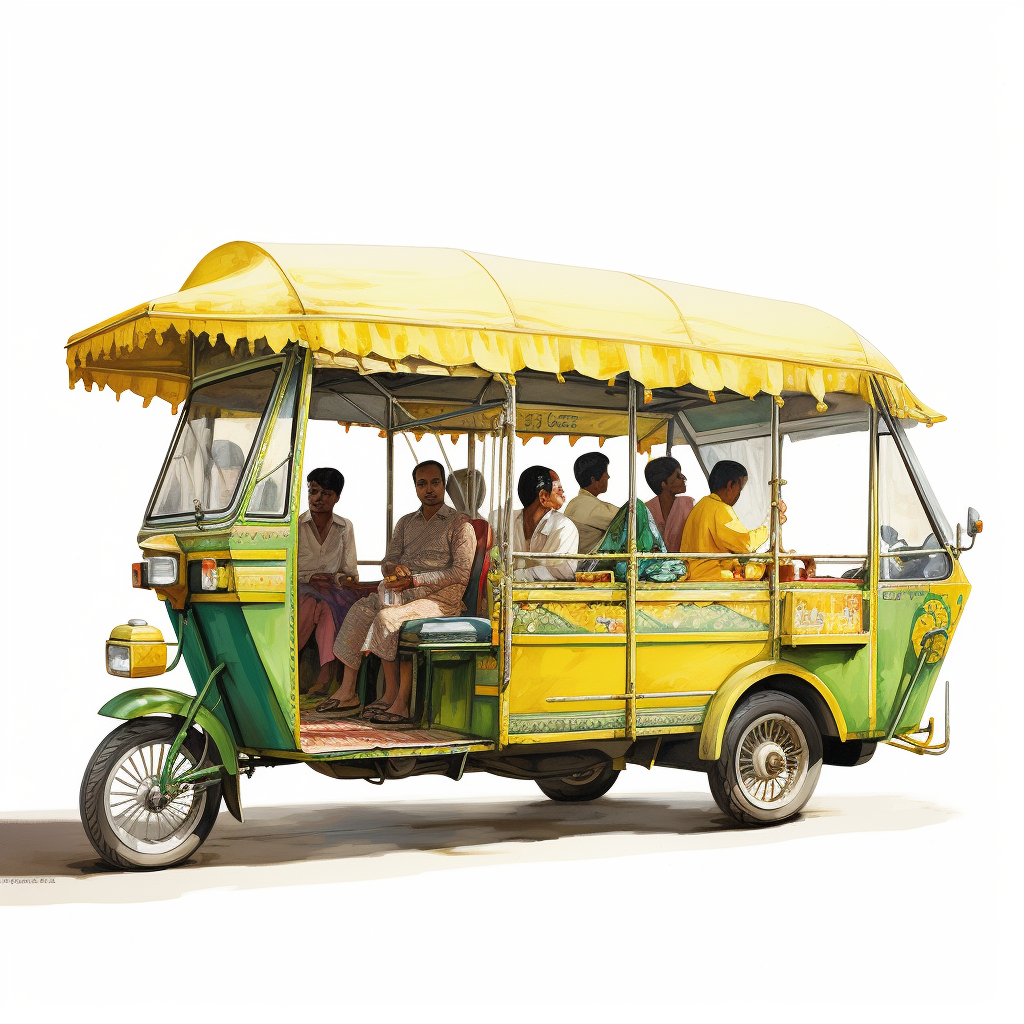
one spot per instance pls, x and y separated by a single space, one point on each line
51 861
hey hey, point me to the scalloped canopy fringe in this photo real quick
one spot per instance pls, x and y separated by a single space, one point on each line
372 304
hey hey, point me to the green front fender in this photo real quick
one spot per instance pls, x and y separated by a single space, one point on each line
155 700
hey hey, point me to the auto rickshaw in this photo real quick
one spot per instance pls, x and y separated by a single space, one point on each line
756 679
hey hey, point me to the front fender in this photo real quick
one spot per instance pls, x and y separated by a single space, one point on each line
155 700
738 683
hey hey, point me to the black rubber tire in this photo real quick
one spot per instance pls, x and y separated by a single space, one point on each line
726 787
577 788
104 761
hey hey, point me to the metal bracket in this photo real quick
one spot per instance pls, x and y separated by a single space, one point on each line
905 741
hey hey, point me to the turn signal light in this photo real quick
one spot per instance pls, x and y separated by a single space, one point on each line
209 574
979 526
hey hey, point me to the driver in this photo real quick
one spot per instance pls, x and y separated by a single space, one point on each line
713 526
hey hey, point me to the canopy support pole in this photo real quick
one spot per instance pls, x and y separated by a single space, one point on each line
508 568
390 519
470 496
631 572
776 534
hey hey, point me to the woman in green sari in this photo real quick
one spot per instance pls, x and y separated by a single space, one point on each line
616 541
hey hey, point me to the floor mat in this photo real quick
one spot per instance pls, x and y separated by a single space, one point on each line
319 734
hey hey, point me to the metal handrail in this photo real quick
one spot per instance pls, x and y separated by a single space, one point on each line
927 643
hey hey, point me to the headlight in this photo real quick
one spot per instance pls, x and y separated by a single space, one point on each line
119 660
155 571
161 571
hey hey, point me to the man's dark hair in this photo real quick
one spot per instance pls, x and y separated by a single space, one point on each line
657 471
590 467
531 482
724 473
428 462
329 479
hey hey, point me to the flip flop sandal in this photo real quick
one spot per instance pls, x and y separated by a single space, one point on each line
393 721
333 706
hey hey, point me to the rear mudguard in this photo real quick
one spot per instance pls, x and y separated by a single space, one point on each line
155 700
742 680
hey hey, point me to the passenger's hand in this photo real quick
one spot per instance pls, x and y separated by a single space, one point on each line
401 570
397 584
782 511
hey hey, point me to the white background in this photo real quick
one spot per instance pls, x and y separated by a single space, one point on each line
863 159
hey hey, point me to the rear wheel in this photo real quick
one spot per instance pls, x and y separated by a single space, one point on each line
587 785
130 823
771 758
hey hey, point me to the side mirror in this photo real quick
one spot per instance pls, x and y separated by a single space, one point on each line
889 535
974 524
974 527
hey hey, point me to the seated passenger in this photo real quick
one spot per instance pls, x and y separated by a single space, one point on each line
539 526
712 526
670 506
616 541
327 561
457 489
426 570
591 515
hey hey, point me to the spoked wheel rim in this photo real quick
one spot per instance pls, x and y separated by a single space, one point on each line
772 760
142 818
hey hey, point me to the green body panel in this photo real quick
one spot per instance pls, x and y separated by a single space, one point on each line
248 693
270 627
900 610
451 691
155 700
485 717
846 671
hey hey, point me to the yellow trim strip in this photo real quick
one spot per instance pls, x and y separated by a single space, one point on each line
799 640
243 598
272 555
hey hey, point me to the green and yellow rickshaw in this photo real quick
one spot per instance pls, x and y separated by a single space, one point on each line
756 681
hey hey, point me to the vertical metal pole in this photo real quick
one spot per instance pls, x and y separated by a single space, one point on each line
776 539
631 573
508 568
470 496
670 435
389 522
872 596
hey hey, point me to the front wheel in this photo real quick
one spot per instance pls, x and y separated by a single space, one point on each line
588 785
771 759
129 822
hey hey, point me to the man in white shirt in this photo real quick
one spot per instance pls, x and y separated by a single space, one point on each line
539 526
327 561
591 515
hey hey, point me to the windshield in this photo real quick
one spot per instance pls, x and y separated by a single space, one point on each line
213 445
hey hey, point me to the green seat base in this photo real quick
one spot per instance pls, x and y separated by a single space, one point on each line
459 630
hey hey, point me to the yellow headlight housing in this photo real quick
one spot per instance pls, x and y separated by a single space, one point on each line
136 649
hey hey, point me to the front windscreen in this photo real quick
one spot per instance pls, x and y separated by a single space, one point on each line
213 445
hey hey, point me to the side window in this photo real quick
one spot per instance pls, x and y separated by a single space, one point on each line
826 494
270 496
904 526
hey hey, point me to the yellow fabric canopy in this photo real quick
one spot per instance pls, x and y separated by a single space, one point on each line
398 307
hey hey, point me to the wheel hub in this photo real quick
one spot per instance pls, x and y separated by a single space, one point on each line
150 796
769 760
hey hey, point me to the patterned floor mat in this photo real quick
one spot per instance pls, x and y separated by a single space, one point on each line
320 734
